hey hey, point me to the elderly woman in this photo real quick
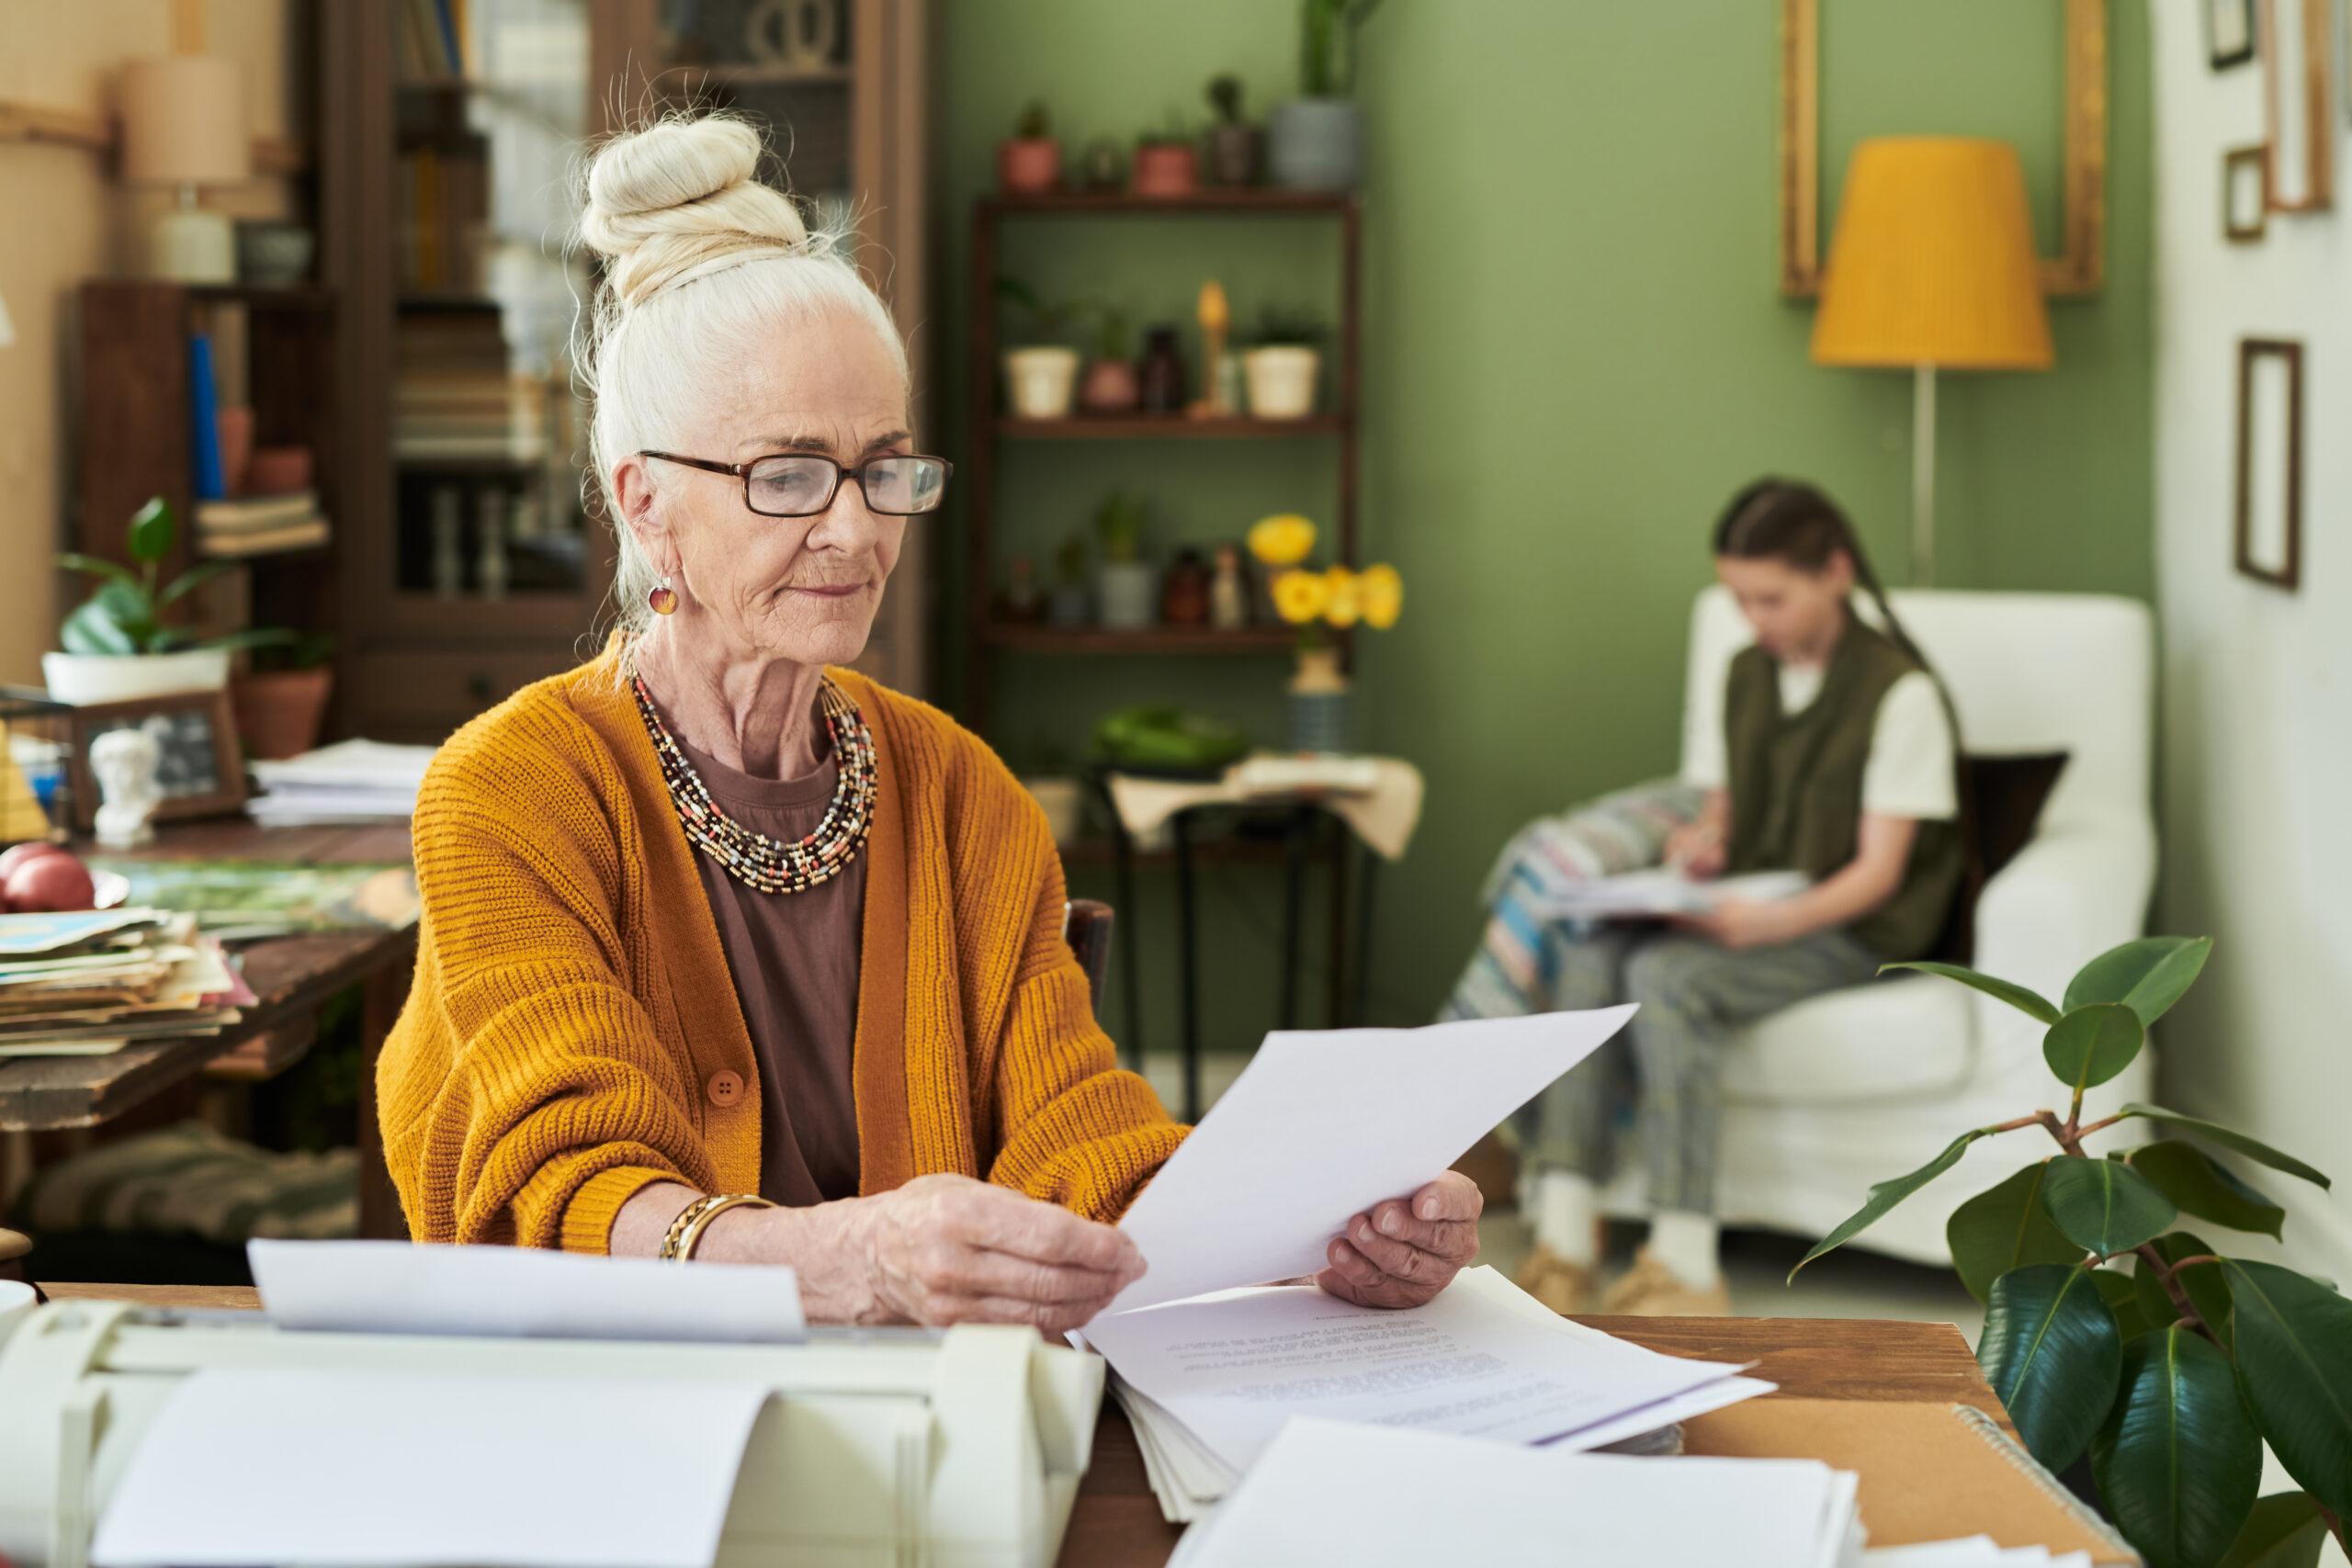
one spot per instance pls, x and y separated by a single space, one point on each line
729 953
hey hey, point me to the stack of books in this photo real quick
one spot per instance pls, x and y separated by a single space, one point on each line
260 524
89 983
455 397
351 782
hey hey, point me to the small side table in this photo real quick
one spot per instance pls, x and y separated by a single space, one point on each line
1379 811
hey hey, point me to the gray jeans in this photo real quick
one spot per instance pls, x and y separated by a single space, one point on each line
1668 1060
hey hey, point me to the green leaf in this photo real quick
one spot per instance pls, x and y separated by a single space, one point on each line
2051 1352
152 531
2205 1188
2147 975
1886 1194
2208 1287
2116 1288
2018 997
2178 1461
2294 1358
96 565
2104 1206
90 630
2285 1531
2249 1147
2005 1228
195 578
2093 1043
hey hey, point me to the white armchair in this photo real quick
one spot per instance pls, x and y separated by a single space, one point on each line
1846 1089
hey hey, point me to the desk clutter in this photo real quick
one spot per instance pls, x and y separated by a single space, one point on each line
351 782
91 982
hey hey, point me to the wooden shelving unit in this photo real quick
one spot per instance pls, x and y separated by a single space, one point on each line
989 425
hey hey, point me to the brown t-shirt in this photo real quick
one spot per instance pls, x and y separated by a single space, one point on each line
795 960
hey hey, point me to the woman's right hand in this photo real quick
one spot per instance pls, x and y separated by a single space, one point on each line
1696 849
949 1249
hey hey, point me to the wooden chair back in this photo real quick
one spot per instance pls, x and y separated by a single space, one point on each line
1086 926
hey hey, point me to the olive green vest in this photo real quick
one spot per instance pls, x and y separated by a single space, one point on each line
1796 786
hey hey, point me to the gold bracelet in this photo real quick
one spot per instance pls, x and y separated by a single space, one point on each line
685 1231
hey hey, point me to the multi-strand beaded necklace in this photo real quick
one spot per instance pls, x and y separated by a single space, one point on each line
752 858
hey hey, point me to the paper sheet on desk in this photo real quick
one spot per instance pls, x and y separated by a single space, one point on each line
1322 1125
277 1464
395 1287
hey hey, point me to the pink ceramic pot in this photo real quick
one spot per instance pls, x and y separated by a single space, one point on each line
1166 168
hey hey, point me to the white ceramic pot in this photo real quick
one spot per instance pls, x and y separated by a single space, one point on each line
85 678
1042 380
1281 378
1065 803
1127 594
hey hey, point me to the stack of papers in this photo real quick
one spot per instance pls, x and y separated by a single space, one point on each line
89 983
1373 1496
351 782
1657 894
1209 1384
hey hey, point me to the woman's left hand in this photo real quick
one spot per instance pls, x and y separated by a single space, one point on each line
1403 1252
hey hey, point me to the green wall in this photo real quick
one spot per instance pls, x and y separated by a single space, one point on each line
1574 352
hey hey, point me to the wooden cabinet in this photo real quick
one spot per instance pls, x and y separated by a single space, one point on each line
474 555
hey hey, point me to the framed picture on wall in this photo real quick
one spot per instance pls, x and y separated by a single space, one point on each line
2269 532
2298 102
202 773
2245 193
2228 32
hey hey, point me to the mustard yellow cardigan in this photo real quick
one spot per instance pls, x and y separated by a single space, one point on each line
572 1007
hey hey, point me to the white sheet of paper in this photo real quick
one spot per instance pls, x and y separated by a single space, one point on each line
1322 1125
1658 892
396 1287
1373 1497
258 1465
1233 1368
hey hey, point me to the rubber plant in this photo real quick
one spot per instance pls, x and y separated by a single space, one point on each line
2170 1374
125 615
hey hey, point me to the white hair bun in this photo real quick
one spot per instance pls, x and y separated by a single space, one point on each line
680 198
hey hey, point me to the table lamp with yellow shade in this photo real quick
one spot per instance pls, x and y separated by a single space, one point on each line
1932 268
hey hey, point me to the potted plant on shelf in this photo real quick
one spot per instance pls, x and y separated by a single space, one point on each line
1282 366
116 646
1315 140
1029 161
282 701
1041 375
2173 1376
1126 589
1111 386
1070 605
1168 161
1236 147
1321 700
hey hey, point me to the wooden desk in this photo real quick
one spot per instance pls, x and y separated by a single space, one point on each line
289 975
1116 1523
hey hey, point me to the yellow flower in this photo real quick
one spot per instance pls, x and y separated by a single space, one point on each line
1382 591
1344 604
1300 596
1282 540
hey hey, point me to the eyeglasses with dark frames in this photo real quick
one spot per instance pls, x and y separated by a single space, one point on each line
803 484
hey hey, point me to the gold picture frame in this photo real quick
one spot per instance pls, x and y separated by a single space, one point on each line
2314 53
2079 268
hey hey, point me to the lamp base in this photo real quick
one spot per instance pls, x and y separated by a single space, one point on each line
191 245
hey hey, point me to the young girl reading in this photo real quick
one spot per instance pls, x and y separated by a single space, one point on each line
1837 760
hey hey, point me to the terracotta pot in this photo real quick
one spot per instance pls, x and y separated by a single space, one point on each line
279 712
1166 168
1028 165
1109 388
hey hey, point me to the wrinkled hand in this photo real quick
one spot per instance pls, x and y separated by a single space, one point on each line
946 1250
1738 923
1403 1252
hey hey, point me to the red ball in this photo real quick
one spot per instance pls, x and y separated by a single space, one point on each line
49 882
18 854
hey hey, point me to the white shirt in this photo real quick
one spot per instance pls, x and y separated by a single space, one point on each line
1910 768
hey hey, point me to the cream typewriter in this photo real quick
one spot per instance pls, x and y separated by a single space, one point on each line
954 1449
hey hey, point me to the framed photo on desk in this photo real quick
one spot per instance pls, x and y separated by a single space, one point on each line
201 772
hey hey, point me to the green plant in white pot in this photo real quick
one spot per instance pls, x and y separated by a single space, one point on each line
117 644
2171 1376
1040 369
1283 365
1315 141
1127 586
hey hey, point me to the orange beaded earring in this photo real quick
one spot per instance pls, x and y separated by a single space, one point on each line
663 599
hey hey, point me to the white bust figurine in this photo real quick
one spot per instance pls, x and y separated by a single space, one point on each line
125 760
